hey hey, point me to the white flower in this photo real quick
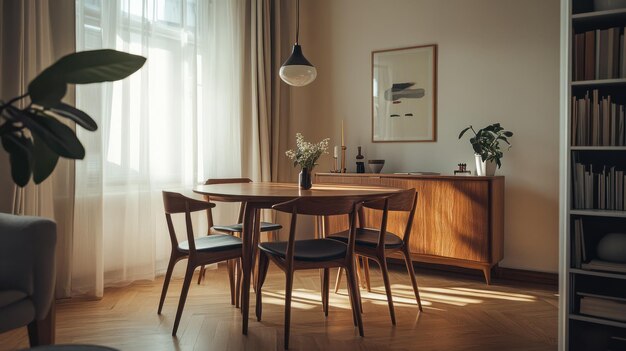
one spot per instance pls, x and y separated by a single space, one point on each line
306 153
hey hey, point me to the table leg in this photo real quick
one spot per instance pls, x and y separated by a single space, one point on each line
256 238
246 263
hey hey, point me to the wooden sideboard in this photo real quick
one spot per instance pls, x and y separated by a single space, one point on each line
459 220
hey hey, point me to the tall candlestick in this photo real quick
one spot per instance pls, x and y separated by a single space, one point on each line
336 152
342 138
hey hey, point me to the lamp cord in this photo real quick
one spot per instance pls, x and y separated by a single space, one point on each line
297 20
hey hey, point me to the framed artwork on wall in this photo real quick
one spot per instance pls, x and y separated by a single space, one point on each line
404 94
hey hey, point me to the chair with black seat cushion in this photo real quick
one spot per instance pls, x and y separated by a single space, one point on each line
198 251
235 229
377 244
324 254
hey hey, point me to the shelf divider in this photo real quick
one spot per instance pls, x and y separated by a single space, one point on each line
596 320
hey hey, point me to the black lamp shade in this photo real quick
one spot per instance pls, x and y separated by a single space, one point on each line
297 70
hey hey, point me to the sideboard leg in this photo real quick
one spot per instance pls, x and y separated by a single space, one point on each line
487 273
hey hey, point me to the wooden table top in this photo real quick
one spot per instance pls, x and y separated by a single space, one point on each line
253 192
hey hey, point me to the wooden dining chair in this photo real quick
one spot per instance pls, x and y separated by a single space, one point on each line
324 254
198 251
377 244
235 229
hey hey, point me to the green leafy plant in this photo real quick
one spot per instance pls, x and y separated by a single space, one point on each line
33 136
306 154
486 142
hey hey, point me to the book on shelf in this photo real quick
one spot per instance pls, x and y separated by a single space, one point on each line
599 265
609 307
622 57
599 54
613 55
590 55
580 250
577 244
597 120
601 189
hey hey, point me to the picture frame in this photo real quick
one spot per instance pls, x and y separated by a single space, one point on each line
404 94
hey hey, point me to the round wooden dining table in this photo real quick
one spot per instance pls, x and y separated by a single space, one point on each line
257 196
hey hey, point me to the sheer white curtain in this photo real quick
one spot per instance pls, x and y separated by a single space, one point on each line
169 126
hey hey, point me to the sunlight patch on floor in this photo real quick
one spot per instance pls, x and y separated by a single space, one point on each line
478 293
302 299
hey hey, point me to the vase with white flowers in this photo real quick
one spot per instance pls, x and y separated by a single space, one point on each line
305 155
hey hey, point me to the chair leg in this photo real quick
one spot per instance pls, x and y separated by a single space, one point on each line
338 280
383 268
230 265
288 290
264 263
238 283
366 273
201 274
357 267
325 288
355 297
351 298
41 332
166 282
183 296
409 267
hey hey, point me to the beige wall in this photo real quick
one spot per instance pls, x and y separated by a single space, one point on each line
498 62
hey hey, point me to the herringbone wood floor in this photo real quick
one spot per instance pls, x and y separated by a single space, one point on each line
460 313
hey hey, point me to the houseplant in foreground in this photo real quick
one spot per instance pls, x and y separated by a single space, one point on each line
33 136
35 139
486 145
305 155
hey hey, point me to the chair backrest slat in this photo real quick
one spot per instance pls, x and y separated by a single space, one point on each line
212 181
403 201
179 203
316 206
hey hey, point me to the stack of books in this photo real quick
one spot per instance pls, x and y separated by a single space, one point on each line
599 265
601 189
608 307
597 121
599 54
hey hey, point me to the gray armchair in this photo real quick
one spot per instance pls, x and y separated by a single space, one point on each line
27 276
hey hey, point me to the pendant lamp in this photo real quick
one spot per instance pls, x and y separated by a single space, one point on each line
297 70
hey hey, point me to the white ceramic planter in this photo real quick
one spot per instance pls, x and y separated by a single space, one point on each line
484 168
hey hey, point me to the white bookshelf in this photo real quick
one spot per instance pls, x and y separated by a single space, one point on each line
578 17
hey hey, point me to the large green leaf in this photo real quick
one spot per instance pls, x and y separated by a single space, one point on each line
20 156
463 131
98 66
48 88
76 115
44 160
59 137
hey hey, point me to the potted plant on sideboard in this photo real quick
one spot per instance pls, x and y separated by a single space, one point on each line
35 139
486 145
